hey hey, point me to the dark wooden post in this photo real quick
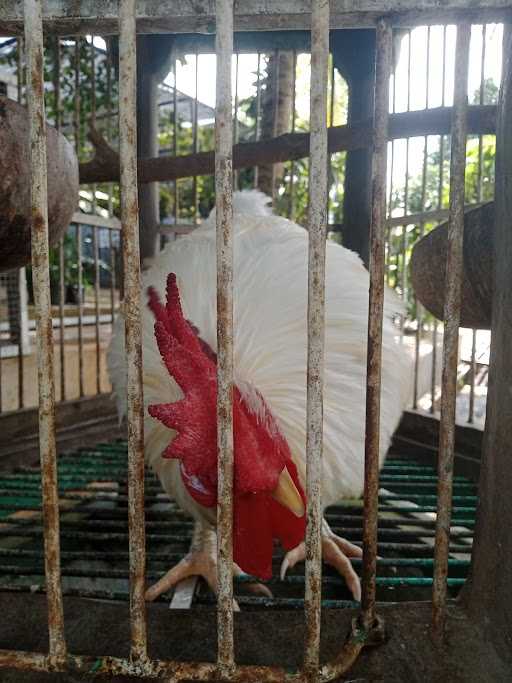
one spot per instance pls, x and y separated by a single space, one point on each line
488 594
147 142
153 63
354 57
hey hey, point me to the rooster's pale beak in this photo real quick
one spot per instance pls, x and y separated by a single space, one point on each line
287 495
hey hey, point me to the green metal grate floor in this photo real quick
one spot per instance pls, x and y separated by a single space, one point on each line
94 533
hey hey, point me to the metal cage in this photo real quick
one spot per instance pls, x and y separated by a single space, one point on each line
127 17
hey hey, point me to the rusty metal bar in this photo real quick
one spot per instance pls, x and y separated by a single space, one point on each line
451 326
317 222
375 314
224 223
133 330
41 281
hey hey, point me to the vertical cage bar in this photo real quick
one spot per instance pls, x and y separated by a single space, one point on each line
195 133
291 205
224 218
258 113
317 220
112 277
80 311
435 327
41 282
78 103
419 308
108 68
97 306
21 272
93 109
406 193
62 329
175 140
433 374
375 314
471 411
451 326
95 230
19 69
132 312
330 124
236 177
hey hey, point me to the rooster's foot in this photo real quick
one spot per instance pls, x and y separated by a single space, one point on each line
200 561
336 552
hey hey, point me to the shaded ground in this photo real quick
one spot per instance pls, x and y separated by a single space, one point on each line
409 655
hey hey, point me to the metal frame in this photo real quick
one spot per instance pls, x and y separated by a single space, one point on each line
291 13
199 16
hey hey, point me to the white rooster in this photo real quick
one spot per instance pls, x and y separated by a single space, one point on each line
270 342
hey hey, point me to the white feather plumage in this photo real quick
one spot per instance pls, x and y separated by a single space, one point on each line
270 342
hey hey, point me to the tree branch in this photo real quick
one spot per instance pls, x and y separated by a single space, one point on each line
291 146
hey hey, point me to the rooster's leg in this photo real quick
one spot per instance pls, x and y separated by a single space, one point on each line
200 561
336 552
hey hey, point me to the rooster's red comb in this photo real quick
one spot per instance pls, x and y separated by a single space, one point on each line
194 371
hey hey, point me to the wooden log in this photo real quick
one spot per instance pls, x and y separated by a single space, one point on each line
15 185
428 268
291 146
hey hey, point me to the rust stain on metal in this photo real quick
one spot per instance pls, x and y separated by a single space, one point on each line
133 329
224 225
40 263
452 308
375 314
317 223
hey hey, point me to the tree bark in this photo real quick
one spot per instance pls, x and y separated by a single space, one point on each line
276 113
